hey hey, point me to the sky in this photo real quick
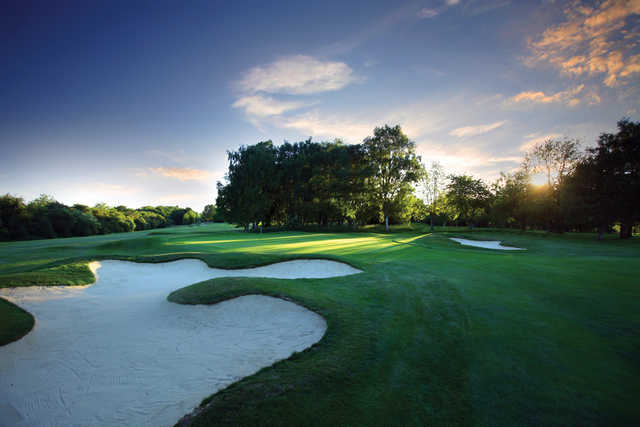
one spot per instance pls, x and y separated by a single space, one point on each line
137 103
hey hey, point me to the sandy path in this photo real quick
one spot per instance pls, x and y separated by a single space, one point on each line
118 353
487 244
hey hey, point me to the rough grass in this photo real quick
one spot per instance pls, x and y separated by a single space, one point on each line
432 333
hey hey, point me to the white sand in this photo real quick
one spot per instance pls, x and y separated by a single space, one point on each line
487 244
118 353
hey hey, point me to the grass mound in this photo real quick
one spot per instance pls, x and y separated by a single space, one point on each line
76 273
15 322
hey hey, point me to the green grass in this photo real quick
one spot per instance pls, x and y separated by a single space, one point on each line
14 322
432 333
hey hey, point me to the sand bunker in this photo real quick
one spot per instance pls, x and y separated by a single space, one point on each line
488 244
118 353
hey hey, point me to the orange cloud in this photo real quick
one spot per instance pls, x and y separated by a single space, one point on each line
592 41
183 174
567 96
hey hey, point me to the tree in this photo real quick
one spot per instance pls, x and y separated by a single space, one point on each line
252 181
469 196
84 224
557 159
176 215
208 213
190 217
395 165
609 178
13 217
295 184
510 199
433 183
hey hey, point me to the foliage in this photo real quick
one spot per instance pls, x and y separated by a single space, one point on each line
608 179
511 194
190 217
469 196
45 217
208 213
432 186
324 183
395 166
555 158
294 184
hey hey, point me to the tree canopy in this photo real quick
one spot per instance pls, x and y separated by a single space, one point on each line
395 165
44 217
320 182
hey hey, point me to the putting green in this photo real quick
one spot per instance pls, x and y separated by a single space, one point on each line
431 333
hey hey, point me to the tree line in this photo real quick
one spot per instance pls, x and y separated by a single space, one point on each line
323 183
379 181
45 218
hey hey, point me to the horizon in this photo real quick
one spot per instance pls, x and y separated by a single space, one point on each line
133 105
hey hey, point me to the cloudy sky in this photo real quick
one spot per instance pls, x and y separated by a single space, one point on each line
137 103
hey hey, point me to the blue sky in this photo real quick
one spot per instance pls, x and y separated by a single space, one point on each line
137 103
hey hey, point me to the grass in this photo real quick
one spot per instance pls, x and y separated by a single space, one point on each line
432 333
14 322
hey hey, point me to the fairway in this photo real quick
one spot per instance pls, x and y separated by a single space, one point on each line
430 333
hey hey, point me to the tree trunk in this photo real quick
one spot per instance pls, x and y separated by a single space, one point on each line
386 223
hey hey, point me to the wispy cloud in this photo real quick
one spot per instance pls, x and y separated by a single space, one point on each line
297 75
417 119
426 13
329 126
568 97
479 7
263 106
177 156
467 131
468 159
183 174
598 40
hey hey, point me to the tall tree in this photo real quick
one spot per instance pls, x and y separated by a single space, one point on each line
208 213
433 183
395 165
469 196
556 159
609 177
248 197
510 198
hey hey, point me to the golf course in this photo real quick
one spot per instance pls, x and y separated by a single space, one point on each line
431 332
